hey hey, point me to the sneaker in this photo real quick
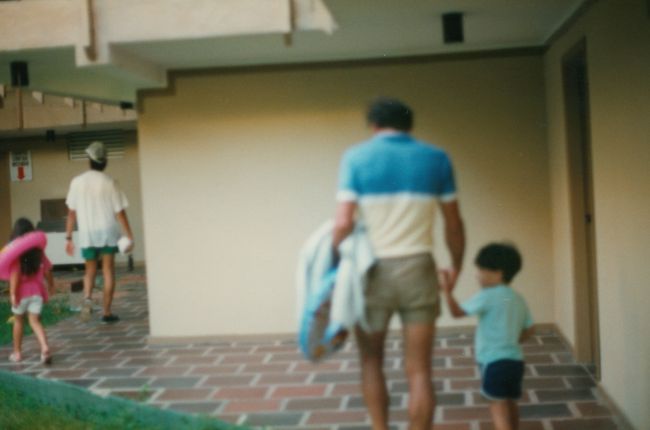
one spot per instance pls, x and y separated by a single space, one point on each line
110 319
15 357
86 310
46 359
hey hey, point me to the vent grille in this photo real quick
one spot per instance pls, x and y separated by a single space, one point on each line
78 142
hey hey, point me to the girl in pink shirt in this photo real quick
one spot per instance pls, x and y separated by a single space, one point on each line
28 293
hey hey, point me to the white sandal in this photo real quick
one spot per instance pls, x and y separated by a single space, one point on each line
15 357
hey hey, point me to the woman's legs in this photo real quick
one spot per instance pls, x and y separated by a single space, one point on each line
39 331
18 336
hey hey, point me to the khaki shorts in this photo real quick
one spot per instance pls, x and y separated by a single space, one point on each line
407 285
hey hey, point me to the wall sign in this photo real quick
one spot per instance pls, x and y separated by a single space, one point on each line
20 163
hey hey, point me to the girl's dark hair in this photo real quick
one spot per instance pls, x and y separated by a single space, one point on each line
30 261
502 257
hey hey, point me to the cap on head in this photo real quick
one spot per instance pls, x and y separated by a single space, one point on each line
96 152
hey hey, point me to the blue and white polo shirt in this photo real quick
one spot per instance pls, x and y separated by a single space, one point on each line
396 182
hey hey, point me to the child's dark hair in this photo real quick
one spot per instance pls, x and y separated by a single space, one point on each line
388 112
30 261
502 257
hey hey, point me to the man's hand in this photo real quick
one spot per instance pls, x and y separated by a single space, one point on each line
69 247
447 279
69 227
131 245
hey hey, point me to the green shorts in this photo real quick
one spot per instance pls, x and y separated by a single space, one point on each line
406 285
93 253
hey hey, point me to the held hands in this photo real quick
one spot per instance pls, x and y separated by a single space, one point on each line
447 279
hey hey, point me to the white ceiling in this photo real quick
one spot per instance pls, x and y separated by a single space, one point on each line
370 29
367 29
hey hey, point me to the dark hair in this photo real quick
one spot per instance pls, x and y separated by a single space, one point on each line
389 112
96 165
502 257
30 261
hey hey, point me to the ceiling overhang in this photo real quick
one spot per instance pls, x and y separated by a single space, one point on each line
109 49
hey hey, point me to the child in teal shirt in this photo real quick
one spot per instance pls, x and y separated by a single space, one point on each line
503 323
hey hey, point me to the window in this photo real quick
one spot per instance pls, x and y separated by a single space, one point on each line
112 139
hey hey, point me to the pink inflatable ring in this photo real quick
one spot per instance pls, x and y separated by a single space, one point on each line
17 247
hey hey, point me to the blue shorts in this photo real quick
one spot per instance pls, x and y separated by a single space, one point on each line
502 379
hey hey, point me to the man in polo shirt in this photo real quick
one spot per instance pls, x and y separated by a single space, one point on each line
99 207
393 184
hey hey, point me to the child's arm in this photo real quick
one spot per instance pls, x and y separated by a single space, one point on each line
454 307
14 280
526 334
447 289
528 330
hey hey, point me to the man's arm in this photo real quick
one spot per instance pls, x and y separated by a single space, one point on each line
69 227
454 236
343 222
126 227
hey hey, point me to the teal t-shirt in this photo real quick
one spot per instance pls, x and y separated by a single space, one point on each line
502 315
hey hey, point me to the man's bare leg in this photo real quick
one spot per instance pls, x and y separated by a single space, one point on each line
373 382
18 330
108 270
89 285
418 344
39 331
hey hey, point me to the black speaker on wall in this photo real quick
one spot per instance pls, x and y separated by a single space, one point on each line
452 27
50 135
19 74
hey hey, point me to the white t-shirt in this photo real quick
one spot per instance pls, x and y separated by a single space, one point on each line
96 198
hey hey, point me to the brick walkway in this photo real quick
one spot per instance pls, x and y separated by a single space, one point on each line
268 383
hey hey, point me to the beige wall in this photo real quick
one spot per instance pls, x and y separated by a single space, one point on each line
618 53
238 168
52 172
54 113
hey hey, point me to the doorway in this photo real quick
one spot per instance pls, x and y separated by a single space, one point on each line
576 102
5 199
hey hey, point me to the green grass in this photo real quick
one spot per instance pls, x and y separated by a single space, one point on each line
27 403
19 414
55 310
